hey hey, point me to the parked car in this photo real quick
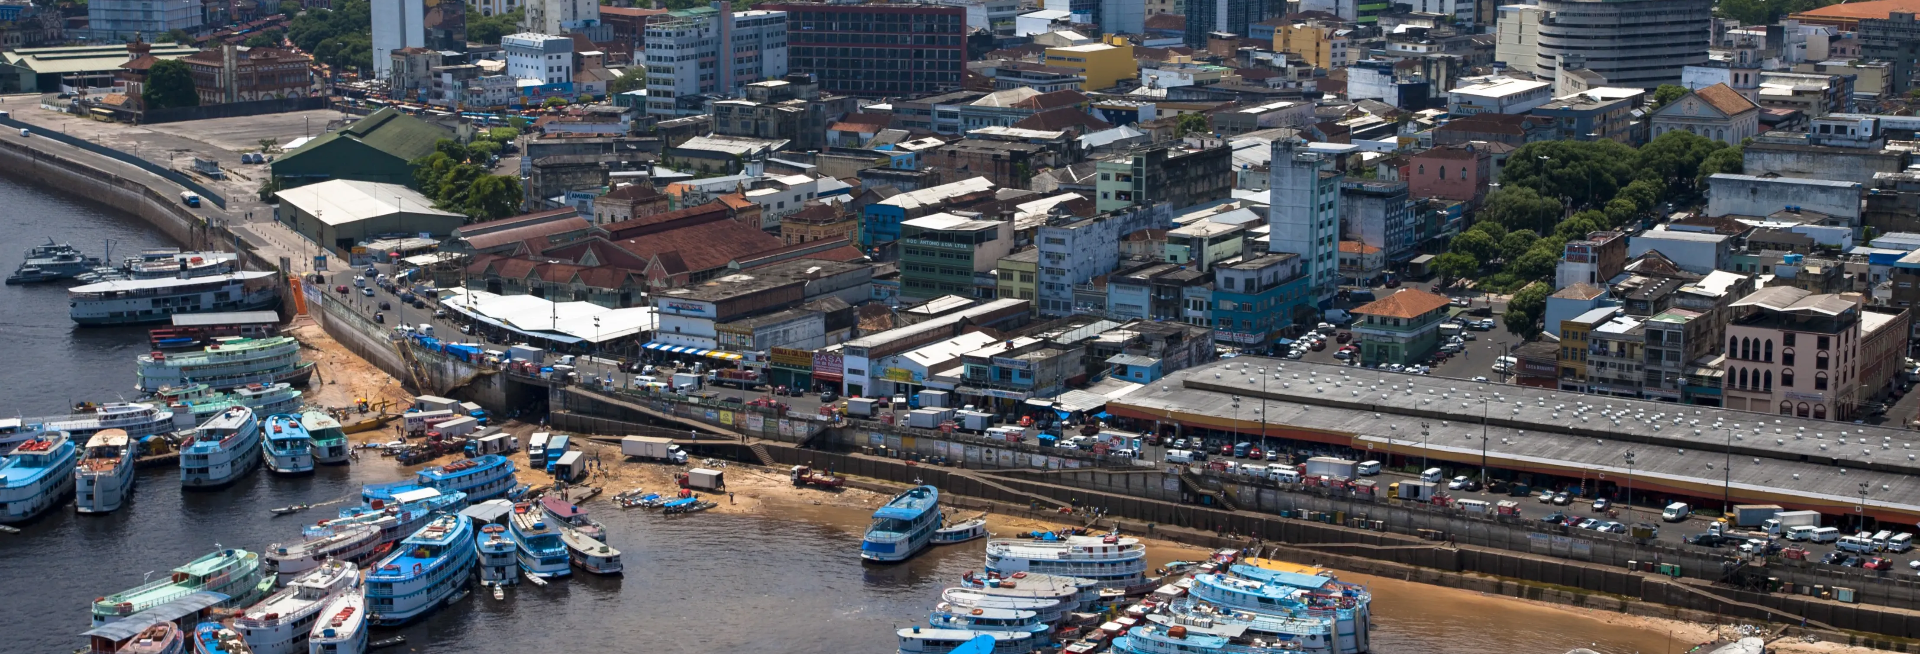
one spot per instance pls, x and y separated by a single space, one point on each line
380 318
1834 557
341 289
1562 498
828 395
439 313
1546 497
1457 483
1707 540
1877 563
1255 453
1460 302
1554 518
1588 523
1614 528
1853 561
1602 504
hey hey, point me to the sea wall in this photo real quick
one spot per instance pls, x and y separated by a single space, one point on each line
164 211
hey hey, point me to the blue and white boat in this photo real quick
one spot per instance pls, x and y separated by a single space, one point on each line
1318 612
104 477
36 476
542 553
903 526
330 445
289 450
1073 593
482 478
193 404
1158 639
397 518
1113 561
424 571
224 449
499 556
1047 610
282 623
924 640
947 616
216 638
342 627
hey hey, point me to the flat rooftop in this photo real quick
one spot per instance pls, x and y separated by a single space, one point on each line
755 280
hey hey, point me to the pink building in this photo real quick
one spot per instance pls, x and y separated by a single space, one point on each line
1791 352
1454 172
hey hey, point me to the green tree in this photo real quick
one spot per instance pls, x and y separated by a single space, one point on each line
1190 123
1537 263
1520 207
1666 93
1494 230
1516 243
503 134
1729 160
1475 244
554 102
482 150
453 149
263 40
489 29
169 85
1675 157
631 79
1645 194
1620 211
493 197
1455 265
1585 172
290 8
1526 308
1578 226
179 36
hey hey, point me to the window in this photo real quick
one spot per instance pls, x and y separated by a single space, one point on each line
1800 409
1786 378
1733 345
1820 381
1769 356
1741 379
1786 354
1822 343
1786 408
1819 412
1769 381
1787 340
1820 361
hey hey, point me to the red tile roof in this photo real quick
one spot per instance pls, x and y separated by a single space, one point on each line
702 247
1724 98
1408 303
709 212
1061 119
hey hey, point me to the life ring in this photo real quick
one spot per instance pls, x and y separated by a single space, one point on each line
417 568
1019 575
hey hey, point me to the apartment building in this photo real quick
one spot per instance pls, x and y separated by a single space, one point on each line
693 55
542 58
874 50
1256 300
1073 251
1795 353
1305 215
940 254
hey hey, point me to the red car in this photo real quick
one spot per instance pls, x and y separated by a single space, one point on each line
1255 453
341 289
1343 337
1877 563
1226 450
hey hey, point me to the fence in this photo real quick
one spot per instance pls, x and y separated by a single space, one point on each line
170 175
231 110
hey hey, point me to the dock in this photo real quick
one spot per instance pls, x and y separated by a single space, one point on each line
169 459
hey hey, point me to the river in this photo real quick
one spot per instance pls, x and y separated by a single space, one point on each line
702 583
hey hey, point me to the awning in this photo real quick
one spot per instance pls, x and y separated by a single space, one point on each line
1103 415
723 355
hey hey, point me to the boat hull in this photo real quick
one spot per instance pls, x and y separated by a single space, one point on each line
104 492
39 501
104 318
333 453
221 476
288 464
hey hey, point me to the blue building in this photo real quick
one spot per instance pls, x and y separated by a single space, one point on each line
881 221
1134 368
1255 300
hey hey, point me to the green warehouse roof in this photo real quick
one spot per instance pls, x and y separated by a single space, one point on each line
386 130
67 59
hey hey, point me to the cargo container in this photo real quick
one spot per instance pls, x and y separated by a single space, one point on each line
1753 515
1326 466
527 353
557 446
417 421
1785 521
934 399
571 467
1417 491
652 449
1508 507
537 449
974 421
459 426
705 479
495 444
435 403
863 407
683 382
928 418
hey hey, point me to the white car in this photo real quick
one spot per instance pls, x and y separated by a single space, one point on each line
1343 355
1457 483
1480 378
1325 327
1293 354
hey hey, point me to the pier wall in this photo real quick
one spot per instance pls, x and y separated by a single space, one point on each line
162 210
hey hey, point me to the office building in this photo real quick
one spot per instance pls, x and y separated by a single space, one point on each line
121 20
941 253
541 57
1895 39
233 73
1235 17
1794 353
1177 174
873 50
1632 43
399 24
1379 214
1073 251
695 55
562 16
1256 300
1304 218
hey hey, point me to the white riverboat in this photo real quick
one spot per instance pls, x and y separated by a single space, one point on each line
288 450
352 542
330 446
589 553
924 640
222 450
36 476
227 363
140 301
1113 561
104 476
1050 611
138 419
282 623
342 627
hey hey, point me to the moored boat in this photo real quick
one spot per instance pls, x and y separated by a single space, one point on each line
591 554
1177 639
104 477
193 404
223 449
498 556
329 440
282 623
422 572
1113 561
350 542
342 627
140 301
926 640
231 572
573 515
228 363
36 476
482 478
1047 610
542 552
52 262
138 419
960 532
161 638
288 449
216 638
902 527
401 516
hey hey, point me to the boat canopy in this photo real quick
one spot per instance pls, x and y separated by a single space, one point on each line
123 630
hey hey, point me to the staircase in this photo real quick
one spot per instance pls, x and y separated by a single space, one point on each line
761 455
414 370
990 483
1193 485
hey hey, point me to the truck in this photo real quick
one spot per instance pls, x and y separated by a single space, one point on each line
418 421
934 399
571 467
683 382
524 352
459 426
803 475
650 448
557 446
1326 466
495 444
862 407
1753 515
434 403
702 479
1783 522
974 421
1415 491
1676 512
537 449
474 411
928 418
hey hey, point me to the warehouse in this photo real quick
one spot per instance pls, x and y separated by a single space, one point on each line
341 214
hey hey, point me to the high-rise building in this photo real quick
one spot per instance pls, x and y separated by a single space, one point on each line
1113 16
1232 16
545 58
696 54
439 25
562 16
1895 39
1632 43
120 20
877 49
1305 215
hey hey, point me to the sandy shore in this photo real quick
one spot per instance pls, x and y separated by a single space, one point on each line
342 377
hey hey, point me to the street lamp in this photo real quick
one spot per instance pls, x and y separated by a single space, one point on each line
1486 416
1726 496
1629 457
1423 447
1861 508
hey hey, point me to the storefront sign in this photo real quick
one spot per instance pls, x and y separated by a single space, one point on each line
1012 364
828 365
792 358
686 308
899 375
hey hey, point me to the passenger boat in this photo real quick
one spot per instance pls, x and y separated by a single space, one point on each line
947 616
542 552
138 419
1158 639
424 571
903 526
288 451
498 556
570 514
925 640
1305 635
482 478
161 638
1287 604
342 627
349 542
193 404
1113 561
1047 610
231 572
330 445
104 476
216 638
140 301
960 532
228 363
282 623
686 505
1074 593
172 263
52 262
591 554
400 517
36 476
224 449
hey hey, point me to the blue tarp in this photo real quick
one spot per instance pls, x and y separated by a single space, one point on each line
1103 415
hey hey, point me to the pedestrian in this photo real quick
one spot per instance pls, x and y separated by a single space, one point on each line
730 497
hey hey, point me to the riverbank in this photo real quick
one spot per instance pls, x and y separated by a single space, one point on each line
342 378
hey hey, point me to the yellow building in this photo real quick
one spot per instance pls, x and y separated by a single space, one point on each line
1103 64
1016 273
1322 45
1575 341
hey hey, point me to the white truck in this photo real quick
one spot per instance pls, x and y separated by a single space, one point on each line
1326 466
1754 515
928 418
435 403
523 352
652 449
683 382
705 479
414 421
974 421
459 426
1784 521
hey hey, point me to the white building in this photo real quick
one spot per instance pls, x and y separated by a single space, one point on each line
1518 36
397 24
1305 215
782 196
542 57
699 53
561 16
1040 22
996 16
1501 95
120 20
1693 252
1074 252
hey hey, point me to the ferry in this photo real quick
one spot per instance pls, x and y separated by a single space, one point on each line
542 553
138 419
36 476
352 542
52 262
1049 611
281 623
288 449
216 638
924 640
104 476
903 526
228 363
193 404
161 638
591 554
224 449
423 572
1272 601
1305 635
398 518
948 616
1113 561
330 445
342 627
231 572
140 301
172 263
482 478
1073 593
1158 639
571 515
499 564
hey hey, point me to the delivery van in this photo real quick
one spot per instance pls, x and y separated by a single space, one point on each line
1900 543
1432 474
1676 512
1367 468
1856 544
1179 456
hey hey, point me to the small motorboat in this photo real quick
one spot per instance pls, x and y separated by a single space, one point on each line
291 509
537 581
387 642
960 532
9 529
687 505
624 495
499 593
